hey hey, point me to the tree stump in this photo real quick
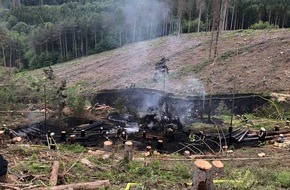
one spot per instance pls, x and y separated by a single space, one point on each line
108 145
202 179
83 133
160 144
72 139
144 134
186 153
148 148
128 150
15 140
62 136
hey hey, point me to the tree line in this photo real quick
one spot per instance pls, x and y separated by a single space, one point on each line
38 33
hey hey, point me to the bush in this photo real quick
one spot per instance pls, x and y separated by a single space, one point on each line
193 26
262 26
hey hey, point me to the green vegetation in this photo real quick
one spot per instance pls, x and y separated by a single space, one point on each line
262 26
191 69
36 34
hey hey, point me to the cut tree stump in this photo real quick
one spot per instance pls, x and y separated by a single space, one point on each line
72 139
186 153
202 176
80 186
128 150
54 174
108 145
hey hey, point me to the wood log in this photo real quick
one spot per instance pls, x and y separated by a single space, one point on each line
54 174
108 145
238 134
243 136
86 162
14 140
80 186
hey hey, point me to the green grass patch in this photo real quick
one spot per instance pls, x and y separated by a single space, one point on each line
75 148
283 178
191 69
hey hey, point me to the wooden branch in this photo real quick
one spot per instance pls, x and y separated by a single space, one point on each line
54 174
13 186
79 186
86 162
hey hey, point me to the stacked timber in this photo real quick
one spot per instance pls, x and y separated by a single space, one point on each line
245 135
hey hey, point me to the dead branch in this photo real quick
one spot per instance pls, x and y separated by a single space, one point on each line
13 186
89 164
78 186
54 174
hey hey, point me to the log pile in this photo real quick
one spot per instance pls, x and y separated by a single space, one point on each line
245 135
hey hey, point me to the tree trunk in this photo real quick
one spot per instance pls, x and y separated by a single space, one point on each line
65 43
87 43
235 21
3 54
134 31
120 36
189 22
82 46
60 46
232 19
243 19
10 58
199 18
276 19
270 14
95 40
75 50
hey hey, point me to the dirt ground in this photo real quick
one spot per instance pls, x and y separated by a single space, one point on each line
247 62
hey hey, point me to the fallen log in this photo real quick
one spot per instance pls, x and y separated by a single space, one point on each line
243 136
238 134
79 186
257 138
54 174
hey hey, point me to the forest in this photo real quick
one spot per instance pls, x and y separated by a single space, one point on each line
39 33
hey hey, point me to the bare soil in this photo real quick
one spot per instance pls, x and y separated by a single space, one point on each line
247 61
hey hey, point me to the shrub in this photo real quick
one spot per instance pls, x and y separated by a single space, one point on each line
262 26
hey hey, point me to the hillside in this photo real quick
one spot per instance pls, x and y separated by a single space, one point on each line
248 61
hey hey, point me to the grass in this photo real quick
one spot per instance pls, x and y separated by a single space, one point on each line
191 69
